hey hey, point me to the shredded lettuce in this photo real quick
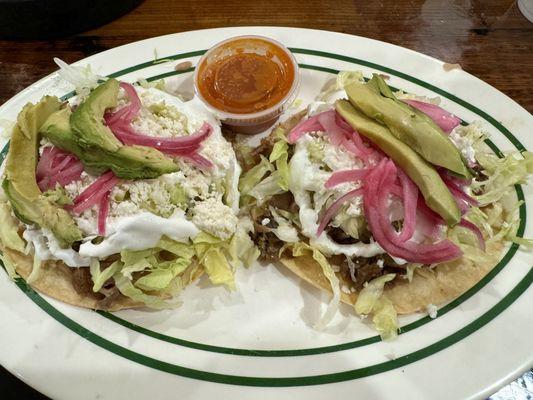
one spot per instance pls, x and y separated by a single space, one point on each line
480 219
267 187
344 78
410 270
502 173
242 247
211 253
253 176
183 250
150 276
82 78
35 271
9 230
161 277
217 267
284 231
300 249
371 300
280 155
6 127
509 228
100 277
371 293
467 241
9 265
385 319
157 84
125 286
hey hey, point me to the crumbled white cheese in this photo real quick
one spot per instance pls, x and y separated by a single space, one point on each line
379 263
432 310
220 152
214 217
463 138
337 158
159 118
151 195
193 181
163 115
265 221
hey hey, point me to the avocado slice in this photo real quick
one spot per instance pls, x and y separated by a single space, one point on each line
423 174
127 162
20 183
87 121
417 130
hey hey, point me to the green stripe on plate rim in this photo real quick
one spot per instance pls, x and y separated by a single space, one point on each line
325 349
334 377
442 344
333 348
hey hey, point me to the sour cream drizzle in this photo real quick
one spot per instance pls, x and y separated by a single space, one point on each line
305 176
137 232
140 232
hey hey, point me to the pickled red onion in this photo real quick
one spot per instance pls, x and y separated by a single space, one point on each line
199 160
347 175
103 211
311 124
336 134
332 210
457 190
410 198
375 203
444 119
128 112
354 135
57 166
66 176
339 131
94 192
181 145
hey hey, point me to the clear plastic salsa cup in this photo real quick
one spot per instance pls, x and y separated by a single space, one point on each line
247 82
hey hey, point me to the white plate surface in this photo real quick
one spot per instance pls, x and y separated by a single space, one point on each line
258 342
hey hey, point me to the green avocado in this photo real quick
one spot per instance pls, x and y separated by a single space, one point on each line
423 174
127 162
57 129
417 130
20 183
87 121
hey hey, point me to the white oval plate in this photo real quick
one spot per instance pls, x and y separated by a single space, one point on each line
257 342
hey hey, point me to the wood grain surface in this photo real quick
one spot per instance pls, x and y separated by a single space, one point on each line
489 38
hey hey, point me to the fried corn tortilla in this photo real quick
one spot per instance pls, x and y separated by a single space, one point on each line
57 280
429 286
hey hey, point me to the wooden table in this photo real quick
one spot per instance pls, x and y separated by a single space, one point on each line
489 38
